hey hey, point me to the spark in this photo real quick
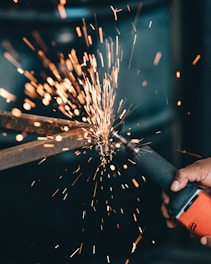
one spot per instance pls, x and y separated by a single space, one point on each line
101 34
37 124
178 74
74 182
144 179
58 138
7 95
33 183
12 60
16 112
55 193
131 161
135 140
41 161
134 181
137 14
94 249
132 51
42 138
39 40
157 58
84 214
189 153
115 11
64 191
80 249
112 167
61 9
95 94
140 236
9 47
125 166
196 60
150 24
144 83
75 252
28 43
108 259
28 104
78 31
19 137
48 145
84 28
65 196
158 132
179 103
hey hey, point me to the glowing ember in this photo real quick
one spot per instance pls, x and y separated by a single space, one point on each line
85 90
115 11
16 112
157 58
179 103
7 95
150 24
197 58
19 137
178 74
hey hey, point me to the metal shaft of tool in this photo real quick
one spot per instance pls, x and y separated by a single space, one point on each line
39 149
36 124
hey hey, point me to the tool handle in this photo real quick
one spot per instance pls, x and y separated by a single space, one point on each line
159 170
191 206
196 218
162 172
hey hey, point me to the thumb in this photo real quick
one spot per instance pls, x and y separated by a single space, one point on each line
199 171
206 241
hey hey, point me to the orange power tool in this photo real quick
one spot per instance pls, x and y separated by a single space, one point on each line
191 206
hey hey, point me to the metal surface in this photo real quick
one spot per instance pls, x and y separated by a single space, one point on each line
54 143
39 149
36 124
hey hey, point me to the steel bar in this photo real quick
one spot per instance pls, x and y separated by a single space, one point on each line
38 149
36 124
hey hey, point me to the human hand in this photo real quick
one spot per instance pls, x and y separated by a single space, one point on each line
199 171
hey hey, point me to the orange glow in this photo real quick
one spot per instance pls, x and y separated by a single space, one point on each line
7 95
136 184
28 43
197 58
62 11
178 74
19 137
101 34
157 58
16 112
179 103
57 190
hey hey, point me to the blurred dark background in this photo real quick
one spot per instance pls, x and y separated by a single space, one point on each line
38 228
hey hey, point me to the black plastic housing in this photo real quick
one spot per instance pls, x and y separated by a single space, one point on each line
161 172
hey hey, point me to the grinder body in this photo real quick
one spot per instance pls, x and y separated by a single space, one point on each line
191 206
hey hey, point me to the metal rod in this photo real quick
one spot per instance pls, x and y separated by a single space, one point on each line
38 149
36 124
